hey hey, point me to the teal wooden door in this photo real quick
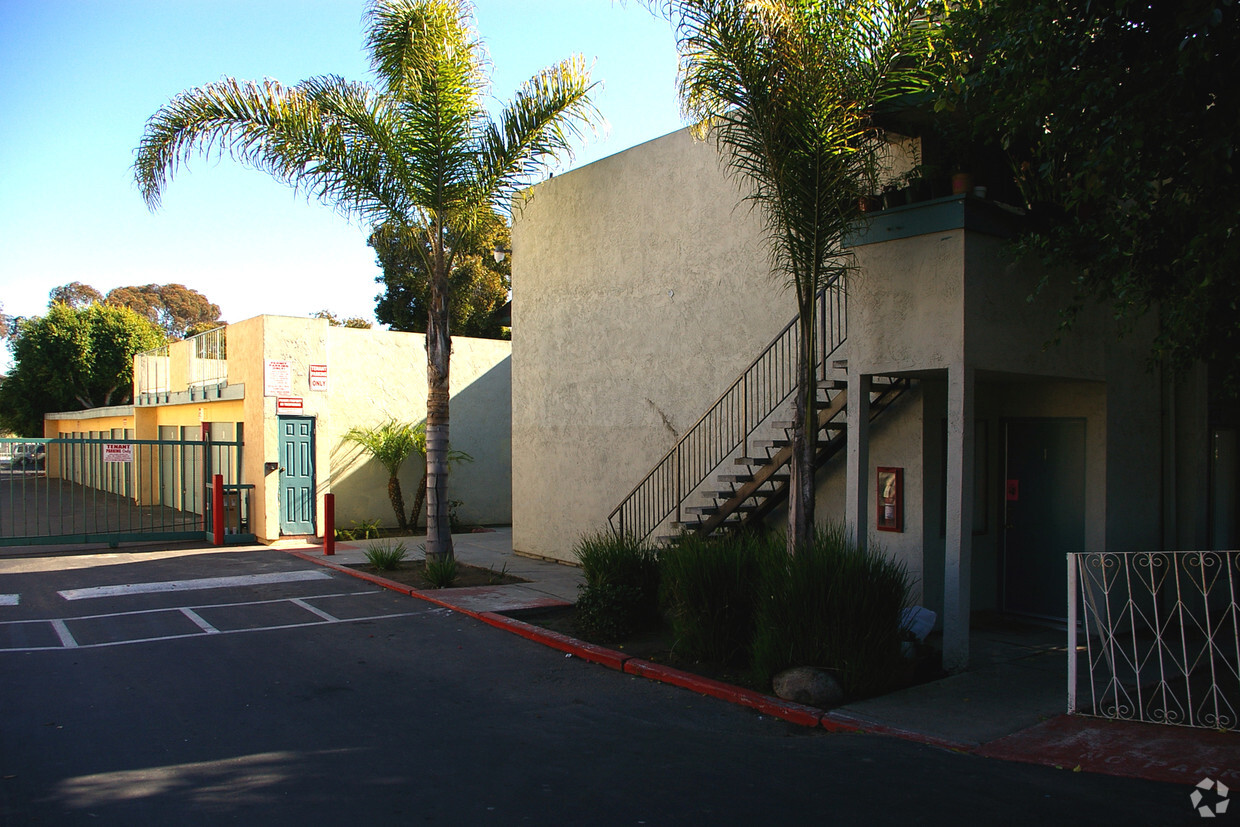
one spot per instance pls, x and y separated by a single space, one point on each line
296 475
1044 513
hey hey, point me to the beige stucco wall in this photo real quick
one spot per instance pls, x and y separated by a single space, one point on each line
640 291
377 375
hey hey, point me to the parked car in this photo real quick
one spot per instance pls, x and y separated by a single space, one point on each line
25 456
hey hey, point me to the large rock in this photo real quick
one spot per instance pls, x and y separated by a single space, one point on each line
810 686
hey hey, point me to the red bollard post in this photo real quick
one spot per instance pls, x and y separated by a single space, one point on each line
217 509
329 524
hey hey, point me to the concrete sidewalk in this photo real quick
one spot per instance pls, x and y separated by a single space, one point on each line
1009 704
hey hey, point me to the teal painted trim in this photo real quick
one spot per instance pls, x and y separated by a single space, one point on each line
939 215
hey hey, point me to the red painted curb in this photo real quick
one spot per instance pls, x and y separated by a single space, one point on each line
586 651
785 710
839 722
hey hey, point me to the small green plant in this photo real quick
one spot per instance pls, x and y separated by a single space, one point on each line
496 578
386 555
621 592
365 529
441 573
344 534
454 520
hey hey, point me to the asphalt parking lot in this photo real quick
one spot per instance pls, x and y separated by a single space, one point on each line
202 687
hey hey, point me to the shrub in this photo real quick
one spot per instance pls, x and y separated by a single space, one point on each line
833 606
621 590
386 555
709 588
441 573
365 529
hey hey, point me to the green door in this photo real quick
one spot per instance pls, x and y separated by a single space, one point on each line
1044 513
296 475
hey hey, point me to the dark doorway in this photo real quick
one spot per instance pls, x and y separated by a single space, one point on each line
1044 512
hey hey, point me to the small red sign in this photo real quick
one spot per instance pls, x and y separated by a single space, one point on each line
1013 490
288 403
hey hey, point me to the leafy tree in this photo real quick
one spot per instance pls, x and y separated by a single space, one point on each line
419 150
71 359
174 307
787 89
479 284
334 321
201 327
1120 121
75 294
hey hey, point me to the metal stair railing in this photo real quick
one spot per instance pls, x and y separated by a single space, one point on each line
762 388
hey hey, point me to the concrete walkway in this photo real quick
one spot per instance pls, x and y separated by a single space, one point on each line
1009 704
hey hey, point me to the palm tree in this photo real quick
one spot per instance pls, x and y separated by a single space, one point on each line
391 443
787 88
419 151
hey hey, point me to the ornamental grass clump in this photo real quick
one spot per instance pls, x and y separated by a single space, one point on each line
833 606
621 590
386 555
709 590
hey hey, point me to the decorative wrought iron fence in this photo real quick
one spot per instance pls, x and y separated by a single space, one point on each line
762 389
1161 637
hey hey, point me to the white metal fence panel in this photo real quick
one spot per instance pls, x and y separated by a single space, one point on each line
1161 637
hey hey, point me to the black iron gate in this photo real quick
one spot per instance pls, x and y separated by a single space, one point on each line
104 489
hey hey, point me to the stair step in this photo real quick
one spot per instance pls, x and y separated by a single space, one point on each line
741 479
762 444
752 461
710 510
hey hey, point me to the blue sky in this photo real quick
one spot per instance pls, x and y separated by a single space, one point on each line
79 78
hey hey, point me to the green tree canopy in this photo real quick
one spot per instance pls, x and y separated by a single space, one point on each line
479 284
72 359
75 294
420 150
334 321
1121 122
174 307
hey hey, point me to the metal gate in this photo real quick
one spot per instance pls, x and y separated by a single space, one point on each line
109 489
1161 636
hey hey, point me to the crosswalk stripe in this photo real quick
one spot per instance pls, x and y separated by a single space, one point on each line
10 599
189 585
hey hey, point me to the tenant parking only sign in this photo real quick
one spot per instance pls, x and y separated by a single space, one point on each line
118 452
277 378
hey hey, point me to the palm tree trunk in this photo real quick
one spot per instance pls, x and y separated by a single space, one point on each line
419 500
397 499
805 433
438 353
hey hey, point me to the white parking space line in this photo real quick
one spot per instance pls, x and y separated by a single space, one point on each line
297 601
62 632
67 640
190 585
199 622
10 599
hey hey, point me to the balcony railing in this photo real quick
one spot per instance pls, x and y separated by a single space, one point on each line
195 364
